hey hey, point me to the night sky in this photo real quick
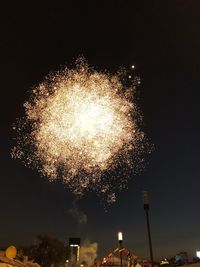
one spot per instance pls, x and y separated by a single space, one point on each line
162 39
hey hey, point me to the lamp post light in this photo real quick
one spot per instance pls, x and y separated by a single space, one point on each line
145 198
120 239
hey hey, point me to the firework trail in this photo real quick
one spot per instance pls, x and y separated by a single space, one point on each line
81 127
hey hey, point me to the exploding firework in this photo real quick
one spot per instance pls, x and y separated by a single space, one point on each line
81 128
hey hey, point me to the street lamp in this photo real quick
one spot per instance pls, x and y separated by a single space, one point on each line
120 239
145 198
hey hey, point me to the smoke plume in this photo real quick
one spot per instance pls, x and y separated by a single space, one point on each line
77 214
88 253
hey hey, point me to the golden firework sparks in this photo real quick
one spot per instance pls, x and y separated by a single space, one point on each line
80 125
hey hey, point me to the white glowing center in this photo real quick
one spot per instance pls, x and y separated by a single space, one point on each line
82 119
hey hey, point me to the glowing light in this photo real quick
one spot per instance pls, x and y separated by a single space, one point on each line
120 236
132 67
80 127
198 254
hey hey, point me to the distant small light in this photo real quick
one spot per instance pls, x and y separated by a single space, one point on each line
67 260
129 76
74 245
132 67
198 254
120 237
104 260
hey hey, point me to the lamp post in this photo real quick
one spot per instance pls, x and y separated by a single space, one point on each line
145 198
120 239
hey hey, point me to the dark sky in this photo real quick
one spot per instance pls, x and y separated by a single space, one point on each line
162 39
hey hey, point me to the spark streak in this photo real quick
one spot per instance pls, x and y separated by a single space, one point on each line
80 127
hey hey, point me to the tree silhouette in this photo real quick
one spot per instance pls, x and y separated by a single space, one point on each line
47 251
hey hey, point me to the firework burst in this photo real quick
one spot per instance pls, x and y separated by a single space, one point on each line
80 127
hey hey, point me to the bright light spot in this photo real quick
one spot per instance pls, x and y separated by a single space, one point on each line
198 254
120 237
